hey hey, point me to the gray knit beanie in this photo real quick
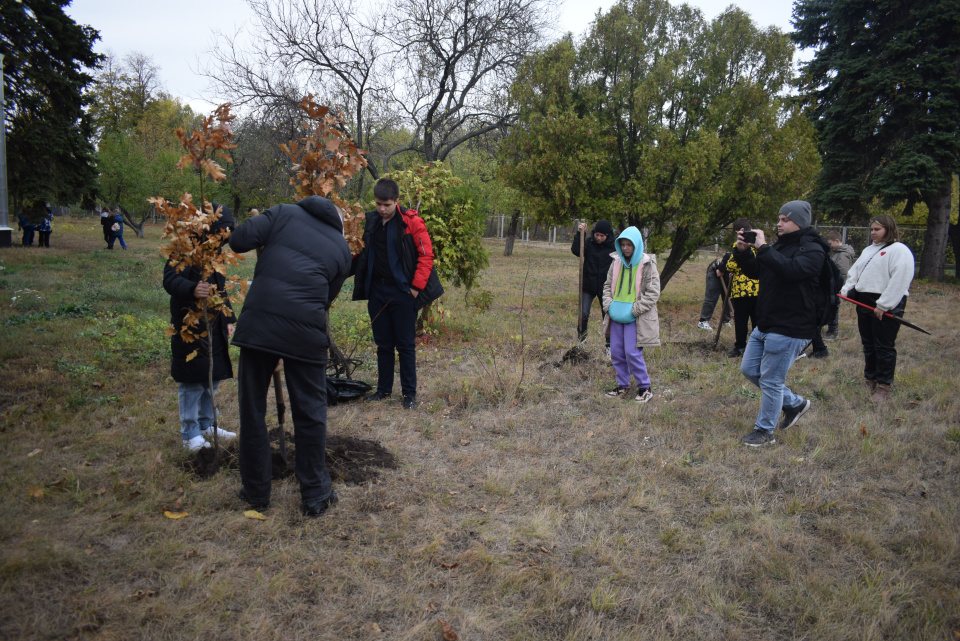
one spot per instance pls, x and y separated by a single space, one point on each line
798 211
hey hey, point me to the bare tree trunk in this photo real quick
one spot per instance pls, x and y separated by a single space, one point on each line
512 233
935 238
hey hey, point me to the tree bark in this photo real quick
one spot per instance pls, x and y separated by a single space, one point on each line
935 237
512 233
955 241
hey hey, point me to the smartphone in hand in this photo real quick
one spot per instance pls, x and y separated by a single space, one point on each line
749 236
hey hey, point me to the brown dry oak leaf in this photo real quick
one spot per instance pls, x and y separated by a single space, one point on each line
35 492
448 633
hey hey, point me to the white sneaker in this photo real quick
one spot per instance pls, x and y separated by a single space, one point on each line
728 325
608 351
224 434
196 443
704 325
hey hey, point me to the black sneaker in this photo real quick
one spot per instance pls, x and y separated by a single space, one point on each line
736 352
257 504
792 414
376 396
820 353
759 438
831 336
409 402
319 507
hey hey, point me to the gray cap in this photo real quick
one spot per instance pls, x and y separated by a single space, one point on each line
798 211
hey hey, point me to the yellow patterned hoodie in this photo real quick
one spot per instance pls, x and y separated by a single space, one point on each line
743 286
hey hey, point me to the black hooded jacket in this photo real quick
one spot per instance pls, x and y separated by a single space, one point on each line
789 274
180 286
597 257
304 262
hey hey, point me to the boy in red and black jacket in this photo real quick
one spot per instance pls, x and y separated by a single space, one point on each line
393 274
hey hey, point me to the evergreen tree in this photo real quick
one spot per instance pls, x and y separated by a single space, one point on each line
884 85
49 153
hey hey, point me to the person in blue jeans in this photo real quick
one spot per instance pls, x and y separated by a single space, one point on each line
789 272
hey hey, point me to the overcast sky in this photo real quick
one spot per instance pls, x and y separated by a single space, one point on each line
160 30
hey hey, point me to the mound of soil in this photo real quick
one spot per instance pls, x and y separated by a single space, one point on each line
574 355
351 460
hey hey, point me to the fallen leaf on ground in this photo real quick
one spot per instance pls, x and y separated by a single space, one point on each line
174 515
390 505
448 633
430 607
101 491
178 504
863 431
253 514
88 550
373 627
590 434
34 453
452 492
449 566
35 492
143 594
464 442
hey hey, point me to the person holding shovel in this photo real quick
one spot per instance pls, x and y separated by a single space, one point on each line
598 251
299 273
880 278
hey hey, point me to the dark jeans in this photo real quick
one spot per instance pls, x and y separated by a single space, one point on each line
586 304
43 238
307 387
114 237
393 318
834 325
879 338
713 291
744 309
28 233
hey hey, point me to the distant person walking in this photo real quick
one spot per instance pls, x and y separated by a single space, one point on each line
597 256
789 273
116 230
880 278
106 222
630 295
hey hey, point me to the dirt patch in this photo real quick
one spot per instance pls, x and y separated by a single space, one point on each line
575 355
351 460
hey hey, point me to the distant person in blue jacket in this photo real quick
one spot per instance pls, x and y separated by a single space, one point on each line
116 230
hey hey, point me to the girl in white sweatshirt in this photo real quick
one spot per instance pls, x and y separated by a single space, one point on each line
880 278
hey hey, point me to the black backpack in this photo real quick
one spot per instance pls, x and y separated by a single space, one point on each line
830 283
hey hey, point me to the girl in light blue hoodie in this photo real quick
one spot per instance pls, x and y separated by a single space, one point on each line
630 297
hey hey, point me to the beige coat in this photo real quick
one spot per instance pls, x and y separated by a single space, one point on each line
645 305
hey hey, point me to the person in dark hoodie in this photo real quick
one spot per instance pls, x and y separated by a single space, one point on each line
193 375
598 251
786 315
394 273
300 270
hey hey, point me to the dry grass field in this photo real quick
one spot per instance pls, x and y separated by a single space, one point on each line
525 505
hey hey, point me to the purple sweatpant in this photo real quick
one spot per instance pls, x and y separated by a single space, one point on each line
626 356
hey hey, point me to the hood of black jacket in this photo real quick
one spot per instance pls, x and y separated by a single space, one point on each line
324 210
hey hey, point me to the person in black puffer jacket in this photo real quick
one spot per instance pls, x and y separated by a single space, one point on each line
194 394
786 314
300 271
598 253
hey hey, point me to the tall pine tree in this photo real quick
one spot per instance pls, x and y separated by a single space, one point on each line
49 153
884 84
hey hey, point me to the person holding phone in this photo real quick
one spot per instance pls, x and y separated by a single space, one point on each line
788 273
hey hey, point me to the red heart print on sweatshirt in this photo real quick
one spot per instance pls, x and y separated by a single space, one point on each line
883 253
